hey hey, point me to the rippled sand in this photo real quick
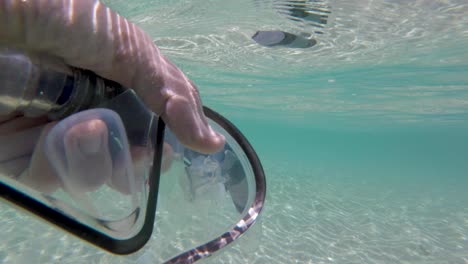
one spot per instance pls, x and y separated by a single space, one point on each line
322 217
311 216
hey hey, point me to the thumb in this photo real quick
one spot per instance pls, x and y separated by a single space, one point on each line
179 104
88 35
189 124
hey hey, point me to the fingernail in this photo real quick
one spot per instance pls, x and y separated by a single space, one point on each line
215 133
219 138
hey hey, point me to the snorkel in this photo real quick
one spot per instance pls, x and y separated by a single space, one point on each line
118 213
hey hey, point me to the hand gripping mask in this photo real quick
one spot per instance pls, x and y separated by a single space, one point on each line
99 171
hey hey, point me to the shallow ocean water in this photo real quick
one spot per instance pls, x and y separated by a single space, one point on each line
363 137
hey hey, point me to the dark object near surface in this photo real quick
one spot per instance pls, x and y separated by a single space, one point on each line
281 38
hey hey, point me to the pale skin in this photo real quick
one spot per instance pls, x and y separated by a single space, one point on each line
88 35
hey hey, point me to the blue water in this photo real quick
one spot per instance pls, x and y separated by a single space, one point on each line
364 187
363 137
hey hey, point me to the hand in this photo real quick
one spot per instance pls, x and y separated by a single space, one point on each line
84 162
86 34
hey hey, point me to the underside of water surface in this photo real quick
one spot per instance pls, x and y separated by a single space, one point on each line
363 135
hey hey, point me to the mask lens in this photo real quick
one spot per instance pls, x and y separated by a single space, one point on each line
94 173
207 201
103 168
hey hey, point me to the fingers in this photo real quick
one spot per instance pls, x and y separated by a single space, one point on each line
183 112
80 161
18 139
88 35
14 167
21 123
21 143
90 149
21 153
39 175
83 165
89 163
190 126
126 181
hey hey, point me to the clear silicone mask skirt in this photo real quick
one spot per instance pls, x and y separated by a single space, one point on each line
100 173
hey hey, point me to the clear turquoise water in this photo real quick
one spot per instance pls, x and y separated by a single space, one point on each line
363 137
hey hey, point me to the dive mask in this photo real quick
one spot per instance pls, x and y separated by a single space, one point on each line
104 161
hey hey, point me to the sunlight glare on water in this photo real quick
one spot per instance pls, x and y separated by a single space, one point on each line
402 61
